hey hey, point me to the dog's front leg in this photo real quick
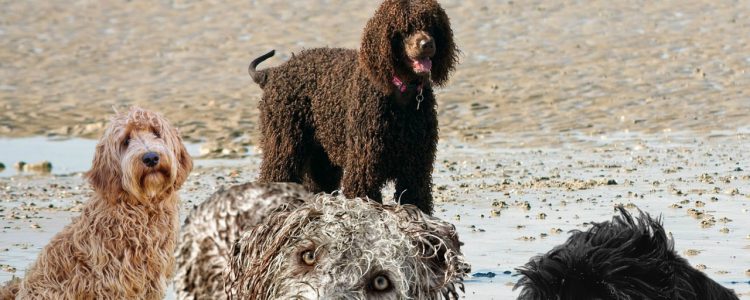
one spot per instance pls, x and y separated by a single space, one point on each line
414 186
362 177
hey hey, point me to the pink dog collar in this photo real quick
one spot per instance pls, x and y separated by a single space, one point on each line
402 86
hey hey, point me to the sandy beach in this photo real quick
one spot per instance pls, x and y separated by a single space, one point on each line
559 110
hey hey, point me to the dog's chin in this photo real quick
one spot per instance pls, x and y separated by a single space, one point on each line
154 182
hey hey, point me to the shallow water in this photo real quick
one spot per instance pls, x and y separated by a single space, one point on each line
66 155
567 183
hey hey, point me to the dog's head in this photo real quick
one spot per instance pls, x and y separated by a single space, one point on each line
336 248
626 258
139 158
410 39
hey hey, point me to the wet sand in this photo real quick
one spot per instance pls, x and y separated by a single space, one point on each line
508 204
570 106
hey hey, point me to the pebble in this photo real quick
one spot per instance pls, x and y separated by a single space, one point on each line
692 252
41 167
484 275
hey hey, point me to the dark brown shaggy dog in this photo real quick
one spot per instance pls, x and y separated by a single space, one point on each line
370 112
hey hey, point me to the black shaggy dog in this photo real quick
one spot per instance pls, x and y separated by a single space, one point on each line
622 259
356 119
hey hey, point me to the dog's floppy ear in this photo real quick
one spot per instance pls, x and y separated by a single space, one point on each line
105 175
446 55
376 51
438 247
184 161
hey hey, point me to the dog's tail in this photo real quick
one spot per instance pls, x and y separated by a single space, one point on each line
9 290
259 77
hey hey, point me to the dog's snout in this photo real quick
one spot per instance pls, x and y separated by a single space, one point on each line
151 159
426 44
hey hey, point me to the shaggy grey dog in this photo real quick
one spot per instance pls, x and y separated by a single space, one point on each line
292 244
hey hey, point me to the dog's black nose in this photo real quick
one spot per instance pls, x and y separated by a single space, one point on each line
151 159
426 44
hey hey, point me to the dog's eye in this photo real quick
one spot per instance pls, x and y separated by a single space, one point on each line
308 257
127 142
156 134
380 283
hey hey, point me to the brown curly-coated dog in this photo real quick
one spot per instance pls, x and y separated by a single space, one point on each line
362 117
122 245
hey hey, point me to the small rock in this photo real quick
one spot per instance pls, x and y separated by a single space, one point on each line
41 167
724 230
210 148
7 268
2 167
692 252
500 204
19 165
541 216
695 213
484 275
708 222
701 267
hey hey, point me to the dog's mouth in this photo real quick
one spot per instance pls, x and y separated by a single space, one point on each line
421 66
155 176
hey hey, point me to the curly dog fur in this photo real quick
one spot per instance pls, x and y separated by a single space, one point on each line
333 118
122 244
210 230
277 241
623 259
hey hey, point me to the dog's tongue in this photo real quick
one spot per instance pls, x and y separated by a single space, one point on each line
423 65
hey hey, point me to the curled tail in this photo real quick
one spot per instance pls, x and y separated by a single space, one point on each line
259 76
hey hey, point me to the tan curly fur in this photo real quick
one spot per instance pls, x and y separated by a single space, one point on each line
122 244
330 110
